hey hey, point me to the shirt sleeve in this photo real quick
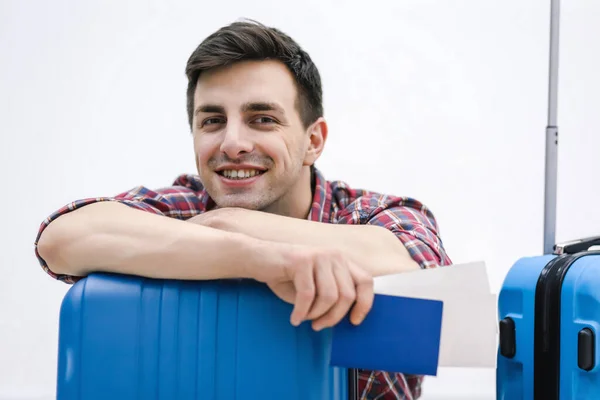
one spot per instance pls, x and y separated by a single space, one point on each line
410 220
175 202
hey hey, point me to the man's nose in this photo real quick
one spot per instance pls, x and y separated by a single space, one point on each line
235 142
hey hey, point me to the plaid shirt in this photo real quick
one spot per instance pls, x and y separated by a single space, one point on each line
333 202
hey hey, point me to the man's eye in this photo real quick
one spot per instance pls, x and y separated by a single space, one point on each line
212 121
264 120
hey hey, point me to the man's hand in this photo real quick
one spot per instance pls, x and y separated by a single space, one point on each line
322 284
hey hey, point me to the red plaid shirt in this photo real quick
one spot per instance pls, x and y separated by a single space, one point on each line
333 202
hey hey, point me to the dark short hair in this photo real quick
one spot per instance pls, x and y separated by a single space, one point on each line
250 40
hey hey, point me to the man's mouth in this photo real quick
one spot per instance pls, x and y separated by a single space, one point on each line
238 174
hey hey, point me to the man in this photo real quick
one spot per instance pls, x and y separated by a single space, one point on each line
258 208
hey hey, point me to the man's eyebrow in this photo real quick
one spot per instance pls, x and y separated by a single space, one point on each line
210 108
262 106
250 106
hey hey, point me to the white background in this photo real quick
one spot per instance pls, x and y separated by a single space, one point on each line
444 101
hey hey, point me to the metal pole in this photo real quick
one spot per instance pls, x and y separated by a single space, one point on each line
551 135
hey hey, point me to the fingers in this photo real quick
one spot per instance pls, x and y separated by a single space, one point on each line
326 290
305 294
347 294
364 294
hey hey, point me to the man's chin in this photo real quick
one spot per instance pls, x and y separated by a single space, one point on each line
237 201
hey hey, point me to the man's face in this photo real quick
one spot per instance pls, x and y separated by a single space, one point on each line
252 150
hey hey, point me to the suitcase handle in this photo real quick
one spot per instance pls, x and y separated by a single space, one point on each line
576 246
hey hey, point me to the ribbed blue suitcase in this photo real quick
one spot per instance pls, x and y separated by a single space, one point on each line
124 337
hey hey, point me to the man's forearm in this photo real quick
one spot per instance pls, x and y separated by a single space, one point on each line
112 237
376 249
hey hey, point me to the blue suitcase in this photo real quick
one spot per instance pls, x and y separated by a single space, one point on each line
549 305
125 337
549 310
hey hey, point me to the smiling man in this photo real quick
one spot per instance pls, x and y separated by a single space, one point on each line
257 207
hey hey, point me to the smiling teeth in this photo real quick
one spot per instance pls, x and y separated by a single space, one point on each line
240 173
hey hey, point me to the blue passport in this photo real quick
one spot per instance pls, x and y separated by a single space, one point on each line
400 334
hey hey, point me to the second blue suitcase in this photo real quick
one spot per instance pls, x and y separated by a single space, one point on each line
549 309
124 337
549 305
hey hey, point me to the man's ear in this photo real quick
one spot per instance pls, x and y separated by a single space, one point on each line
317 136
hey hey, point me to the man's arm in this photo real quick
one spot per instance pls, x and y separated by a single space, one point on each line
111 237
391 241
372 247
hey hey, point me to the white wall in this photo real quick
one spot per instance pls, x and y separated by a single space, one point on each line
444 101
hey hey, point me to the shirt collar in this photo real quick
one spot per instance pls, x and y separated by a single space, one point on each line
320 210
